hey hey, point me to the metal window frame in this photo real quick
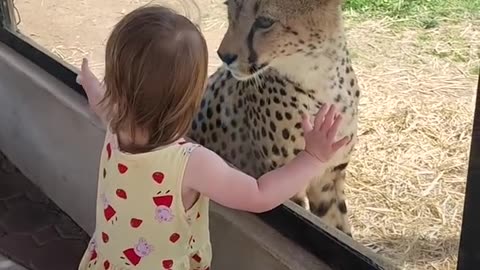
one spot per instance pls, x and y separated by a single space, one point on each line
7 15
469 248
334 249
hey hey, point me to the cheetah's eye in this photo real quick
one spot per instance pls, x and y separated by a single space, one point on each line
264 22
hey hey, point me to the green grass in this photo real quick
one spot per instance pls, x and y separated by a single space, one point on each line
426 13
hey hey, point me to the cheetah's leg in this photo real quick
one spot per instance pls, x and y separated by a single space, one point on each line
301 199
327 198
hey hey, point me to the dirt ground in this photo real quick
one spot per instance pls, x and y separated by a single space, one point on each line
407 178
73 29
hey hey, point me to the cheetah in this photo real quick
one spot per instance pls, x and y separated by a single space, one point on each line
281 58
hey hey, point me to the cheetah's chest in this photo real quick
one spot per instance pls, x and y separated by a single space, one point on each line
273 115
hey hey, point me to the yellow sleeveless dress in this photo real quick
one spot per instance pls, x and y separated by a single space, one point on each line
141 222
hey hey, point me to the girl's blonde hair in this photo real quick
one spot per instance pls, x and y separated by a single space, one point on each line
155 73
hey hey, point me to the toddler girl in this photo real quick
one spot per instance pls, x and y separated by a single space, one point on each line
154 186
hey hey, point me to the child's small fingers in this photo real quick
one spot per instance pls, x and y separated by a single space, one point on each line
334 128
85 67
79 79
339 144
327 123
84 63
320 115
306 124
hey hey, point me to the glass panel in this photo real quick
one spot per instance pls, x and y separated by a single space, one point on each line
76 29
415 62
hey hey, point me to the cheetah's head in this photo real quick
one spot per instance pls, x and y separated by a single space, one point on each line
265 33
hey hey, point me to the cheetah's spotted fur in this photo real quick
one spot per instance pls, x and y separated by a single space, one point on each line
250 114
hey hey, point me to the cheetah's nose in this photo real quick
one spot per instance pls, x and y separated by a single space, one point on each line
227 58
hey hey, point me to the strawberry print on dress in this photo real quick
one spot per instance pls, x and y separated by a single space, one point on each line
139 208
105 237
122 168
167 264
174 237
109 151
158 177
106 265
135 222
121 193
197 258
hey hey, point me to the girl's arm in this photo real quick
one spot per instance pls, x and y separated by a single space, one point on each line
93 88
210 175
